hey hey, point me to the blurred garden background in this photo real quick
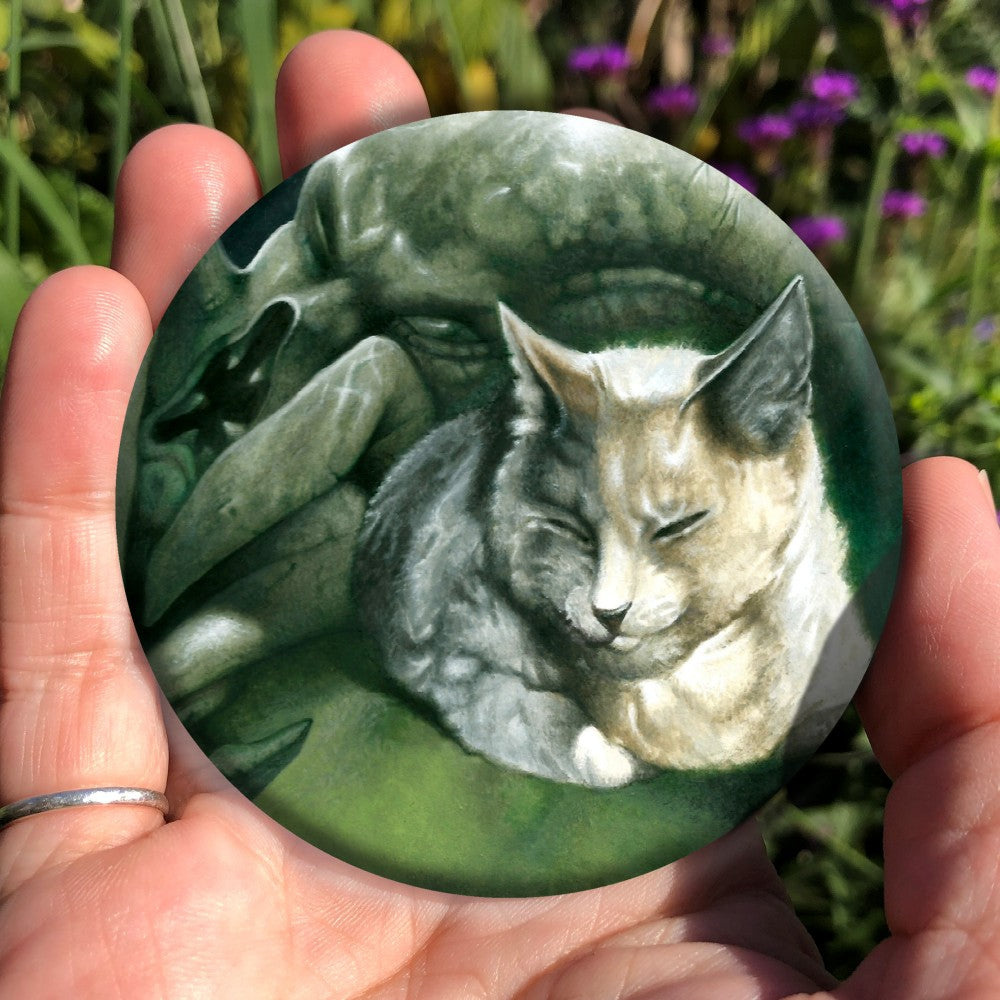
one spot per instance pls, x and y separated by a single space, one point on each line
871 126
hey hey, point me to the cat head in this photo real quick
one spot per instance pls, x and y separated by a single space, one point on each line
650 492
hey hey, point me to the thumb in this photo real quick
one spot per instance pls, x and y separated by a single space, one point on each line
931 703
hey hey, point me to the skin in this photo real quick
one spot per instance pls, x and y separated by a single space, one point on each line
219 901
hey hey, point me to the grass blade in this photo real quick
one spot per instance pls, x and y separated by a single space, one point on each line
525 76
165 47
979 301
258 21
453 44
49 206
188 60
864 264
13 294
123 90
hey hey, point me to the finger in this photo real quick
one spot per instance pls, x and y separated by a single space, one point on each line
932 706
162 231
338 86
592 113
183 185
79 707
179 189
936 673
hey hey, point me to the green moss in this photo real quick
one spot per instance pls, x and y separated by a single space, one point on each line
381 786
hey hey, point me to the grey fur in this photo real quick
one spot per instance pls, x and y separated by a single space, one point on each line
450 631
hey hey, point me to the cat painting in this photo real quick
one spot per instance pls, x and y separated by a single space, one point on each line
624 564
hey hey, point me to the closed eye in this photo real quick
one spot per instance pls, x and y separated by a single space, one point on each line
679 527
573 529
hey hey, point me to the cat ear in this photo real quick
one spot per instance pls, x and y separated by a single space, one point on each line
547 369
756 393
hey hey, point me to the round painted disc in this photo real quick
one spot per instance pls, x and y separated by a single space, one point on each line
509 504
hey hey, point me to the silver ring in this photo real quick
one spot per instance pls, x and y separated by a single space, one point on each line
108 796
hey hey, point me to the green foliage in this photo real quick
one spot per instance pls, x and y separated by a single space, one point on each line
401 773
824 835
925 285
50 209
84 81
763 29
471 56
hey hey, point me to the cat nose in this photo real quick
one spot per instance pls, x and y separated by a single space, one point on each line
612 618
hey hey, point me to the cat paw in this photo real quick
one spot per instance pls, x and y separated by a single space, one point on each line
601 763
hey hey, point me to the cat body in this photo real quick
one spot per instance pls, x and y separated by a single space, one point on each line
626 564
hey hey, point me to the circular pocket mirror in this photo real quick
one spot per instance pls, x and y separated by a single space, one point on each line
509 504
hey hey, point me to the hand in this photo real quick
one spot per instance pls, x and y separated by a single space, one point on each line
220 901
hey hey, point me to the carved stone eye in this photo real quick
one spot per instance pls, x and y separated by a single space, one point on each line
679 527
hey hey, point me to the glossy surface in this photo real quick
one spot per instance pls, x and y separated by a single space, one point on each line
499 307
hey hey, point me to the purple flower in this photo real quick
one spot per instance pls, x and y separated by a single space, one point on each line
985 330
983 79
739 174
903 205
765 130
930 144
717 45
908 13
600 60
818 231
812 115
833 87
679 100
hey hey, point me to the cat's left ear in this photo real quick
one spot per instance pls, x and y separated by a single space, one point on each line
549 373
756 393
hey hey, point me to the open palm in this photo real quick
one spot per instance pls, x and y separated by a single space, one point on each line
219 901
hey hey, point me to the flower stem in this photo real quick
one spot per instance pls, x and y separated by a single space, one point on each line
881 178
849 854
123 89
944 214
646 12
985 229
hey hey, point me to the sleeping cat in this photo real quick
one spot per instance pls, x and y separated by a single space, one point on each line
627 563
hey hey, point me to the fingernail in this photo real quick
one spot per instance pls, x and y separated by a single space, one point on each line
984 481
